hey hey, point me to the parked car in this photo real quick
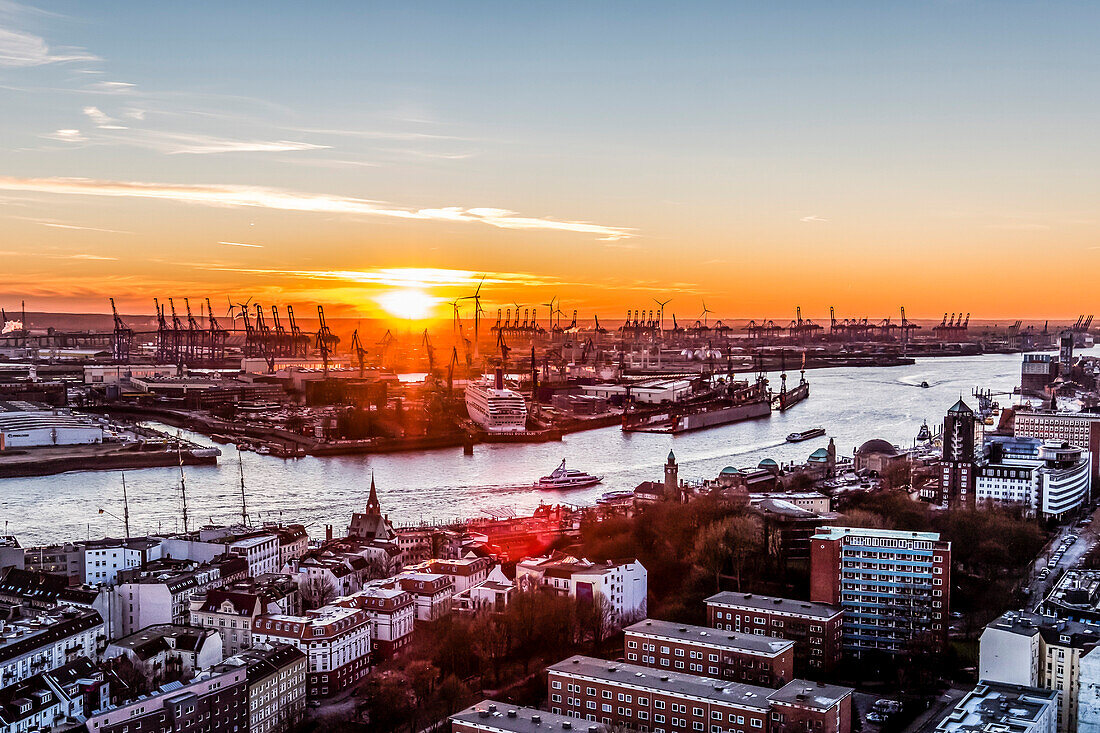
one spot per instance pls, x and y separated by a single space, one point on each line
873 717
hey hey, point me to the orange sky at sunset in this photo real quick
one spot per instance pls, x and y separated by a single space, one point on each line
941 159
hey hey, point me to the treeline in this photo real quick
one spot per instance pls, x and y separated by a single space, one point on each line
458 659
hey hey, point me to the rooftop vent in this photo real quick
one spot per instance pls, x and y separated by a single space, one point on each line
512 713
492 708
536 719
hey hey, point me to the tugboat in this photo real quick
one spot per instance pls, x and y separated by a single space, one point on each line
566 478
925 385
924 434
805 435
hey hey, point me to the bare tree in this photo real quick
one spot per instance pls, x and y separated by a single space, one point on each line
317 591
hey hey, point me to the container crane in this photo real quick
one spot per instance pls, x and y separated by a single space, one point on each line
123 336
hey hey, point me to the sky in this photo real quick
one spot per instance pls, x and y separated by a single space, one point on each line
385 157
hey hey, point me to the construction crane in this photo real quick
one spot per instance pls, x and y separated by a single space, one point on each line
504 349
123 338
386 342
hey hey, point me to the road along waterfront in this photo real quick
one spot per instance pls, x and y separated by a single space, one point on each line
852 404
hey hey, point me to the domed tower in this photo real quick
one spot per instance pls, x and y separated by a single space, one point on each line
672 482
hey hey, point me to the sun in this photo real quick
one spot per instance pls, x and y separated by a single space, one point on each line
407 303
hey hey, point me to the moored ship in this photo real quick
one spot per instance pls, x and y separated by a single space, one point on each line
495 408
736 402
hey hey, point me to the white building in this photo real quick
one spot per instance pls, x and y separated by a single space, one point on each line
1001 708
103 559
650 392
336 640
624 585
26 425
491 594
464 572
45 642
1025 646
392 613
431 592
1088 696
1050 478
165 649
260 549
122 373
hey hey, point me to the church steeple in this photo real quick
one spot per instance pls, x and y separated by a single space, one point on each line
373 505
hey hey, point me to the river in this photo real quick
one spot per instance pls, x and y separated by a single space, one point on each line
852 404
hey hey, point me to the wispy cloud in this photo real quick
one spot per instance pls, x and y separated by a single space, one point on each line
240 244
66 136
269 198
59 225
813 219
111 87
102 120
90 257
398 277
19 49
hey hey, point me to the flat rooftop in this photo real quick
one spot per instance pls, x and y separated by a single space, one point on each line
833 533
1008 707
771 603
499 716
732 640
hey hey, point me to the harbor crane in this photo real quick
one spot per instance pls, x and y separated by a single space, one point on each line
326 340
360 352
123 336
217 334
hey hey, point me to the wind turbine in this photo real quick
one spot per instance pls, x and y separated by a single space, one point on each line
476 297
703 315
661 318
454 321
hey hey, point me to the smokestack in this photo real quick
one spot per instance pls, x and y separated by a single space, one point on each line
499 381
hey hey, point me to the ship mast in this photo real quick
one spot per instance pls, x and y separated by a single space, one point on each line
244 505
125 507
183 484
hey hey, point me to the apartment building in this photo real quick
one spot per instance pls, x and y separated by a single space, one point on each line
815 628
277 679
52 700
392 613
259 548
659 701
894 587
728 655
1039 651
336 640
213 701
169 651
46 641
160 592
103 559
490 595
999 708
490 716
624 585
465 573
431 593
231 614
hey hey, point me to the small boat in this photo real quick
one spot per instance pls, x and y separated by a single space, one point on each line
805 435
924 434
566 478
925 385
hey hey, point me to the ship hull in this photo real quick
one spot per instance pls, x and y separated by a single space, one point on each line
703 420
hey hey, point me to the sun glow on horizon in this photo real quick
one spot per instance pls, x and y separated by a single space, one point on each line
407 303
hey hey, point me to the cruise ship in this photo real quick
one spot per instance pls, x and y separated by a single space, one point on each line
494 408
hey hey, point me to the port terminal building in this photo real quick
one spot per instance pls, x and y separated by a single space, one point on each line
32 425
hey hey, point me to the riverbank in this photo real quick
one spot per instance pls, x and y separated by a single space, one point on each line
64 459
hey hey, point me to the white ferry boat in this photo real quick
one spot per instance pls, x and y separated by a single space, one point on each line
495 408
567 478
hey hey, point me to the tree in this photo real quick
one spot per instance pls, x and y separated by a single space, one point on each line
596 619
388 699
452 692
712 552
317 591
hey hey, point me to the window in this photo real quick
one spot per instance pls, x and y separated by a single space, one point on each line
556 684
